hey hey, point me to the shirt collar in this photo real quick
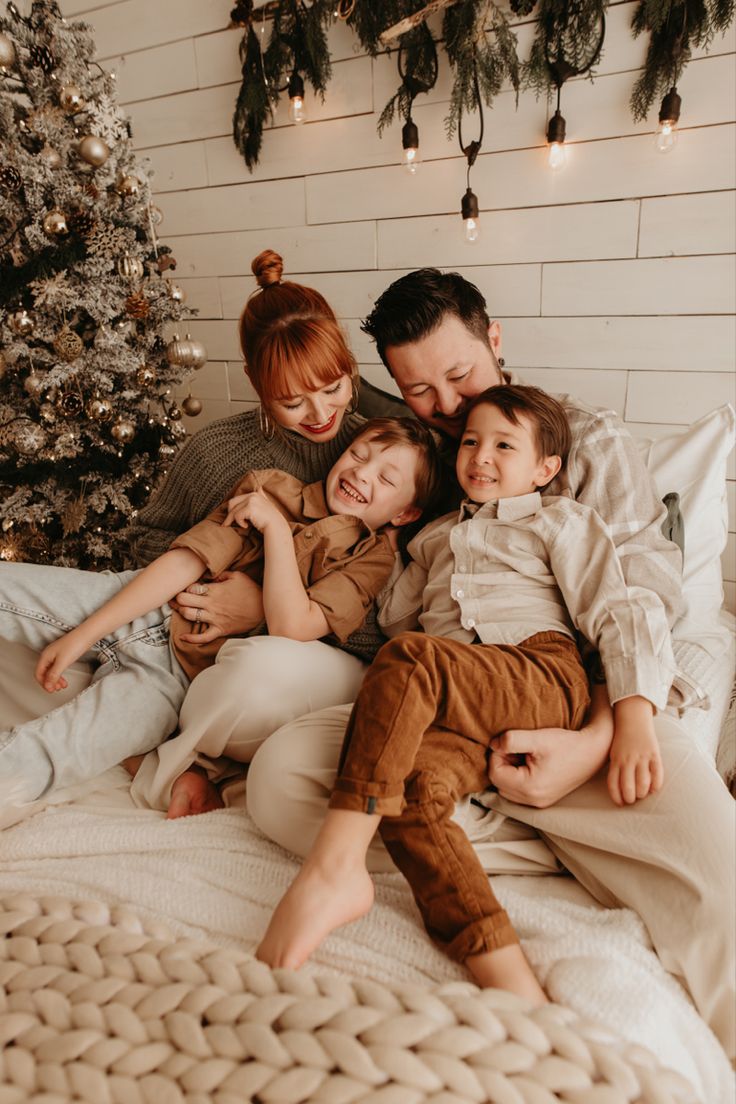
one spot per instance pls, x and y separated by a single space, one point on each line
314 501
505 509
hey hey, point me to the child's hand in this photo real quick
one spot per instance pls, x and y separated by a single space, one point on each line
255 509
56 657
636 764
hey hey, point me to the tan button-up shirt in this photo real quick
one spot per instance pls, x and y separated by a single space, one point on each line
501 572
342 563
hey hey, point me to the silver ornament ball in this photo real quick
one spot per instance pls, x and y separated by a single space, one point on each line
123 431
23 323
71 99
177 293
93 150
55 224
128 185
50 157
7 52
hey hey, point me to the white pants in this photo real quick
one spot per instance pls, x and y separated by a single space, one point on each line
670 858
255 686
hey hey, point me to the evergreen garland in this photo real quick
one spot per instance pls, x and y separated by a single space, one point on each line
567 43
483 57
675 27
418 69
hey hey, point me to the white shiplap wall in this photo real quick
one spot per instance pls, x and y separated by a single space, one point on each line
614 278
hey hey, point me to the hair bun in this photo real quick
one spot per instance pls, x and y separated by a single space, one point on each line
267 268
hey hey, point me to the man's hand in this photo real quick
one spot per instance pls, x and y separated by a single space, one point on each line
255 509
636 764
56 657
231 605
541 766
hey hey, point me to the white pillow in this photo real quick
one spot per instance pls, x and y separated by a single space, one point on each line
693 463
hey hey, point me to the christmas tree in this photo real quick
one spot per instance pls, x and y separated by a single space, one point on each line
88 422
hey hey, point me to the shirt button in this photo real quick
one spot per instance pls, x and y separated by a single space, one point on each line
459 593
463 568
308 534
470 623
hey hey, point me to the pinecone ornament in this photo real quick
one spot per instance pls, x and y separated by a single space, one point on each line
136 305
10 179
81 222
42 58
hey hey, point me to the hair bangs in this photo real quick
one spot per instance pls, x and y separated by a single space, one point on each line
303 356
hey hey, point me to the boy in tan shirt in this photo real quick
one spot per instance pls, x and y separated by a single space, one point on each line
499 591
321 551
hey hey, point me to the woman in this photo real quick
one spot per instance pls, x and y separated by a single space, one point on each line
304 374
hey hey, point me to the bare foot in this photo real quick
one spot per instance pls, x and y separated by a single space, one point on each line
318 901
193 793
507 968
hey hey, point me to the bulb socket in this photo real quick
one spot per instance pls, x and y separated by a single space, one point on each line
669 112
410 135
469 205
556 128
296 86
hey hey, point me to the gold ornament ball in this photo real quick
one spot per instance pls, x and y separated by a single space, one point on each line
68 344
188 353
177 293
93 150
7 52
23 323
128 185
130 268
50 157
55 224
191 406
123 431
146 375
99 410
71 99
167 451
174 413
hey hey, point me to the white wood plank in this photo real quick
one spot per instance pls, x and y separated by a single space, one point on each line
690 285
379 377
161 71
202 295
561 233
728 559
606 389
616 169
677 397
220 339
304 249
140 24
509 289
239 386
212 410
212 210
175 167
77 7
656 347
681 224
209 382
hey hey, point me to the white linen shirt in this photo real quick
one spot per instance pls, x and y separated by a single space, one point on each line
501 572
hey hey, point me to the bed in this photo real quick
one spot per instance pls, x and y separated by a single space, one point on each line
89 870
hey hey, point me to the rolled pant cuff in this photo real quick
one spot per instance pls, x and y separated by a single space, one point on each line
481 936
369 797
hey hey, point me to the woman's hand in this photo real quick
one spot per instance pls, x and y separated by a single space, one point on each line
57 657
230 606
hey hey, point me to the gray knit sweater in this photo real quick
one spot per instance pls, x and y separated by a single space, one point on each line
210 465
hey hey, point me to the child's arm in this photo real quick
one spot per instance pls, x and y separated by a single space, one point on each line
287 606
152 587
636 764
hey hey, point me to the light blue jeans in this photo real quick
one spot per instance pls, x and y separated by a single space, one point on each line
132 703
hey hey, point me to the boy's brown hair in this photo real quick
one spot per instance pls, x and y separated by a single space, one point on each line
408 431
551 428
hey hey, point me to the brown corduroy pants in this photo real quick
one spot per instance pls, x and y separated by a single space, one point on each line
418 741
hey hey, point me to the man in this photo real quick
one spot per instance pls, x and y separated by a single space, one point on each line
670 857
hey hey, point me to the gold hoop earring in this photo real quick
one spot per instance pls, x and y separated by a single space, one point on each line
355 399
501 362
268 429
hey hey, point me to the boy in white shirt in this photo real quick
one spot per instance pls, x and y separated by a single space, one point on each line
498 590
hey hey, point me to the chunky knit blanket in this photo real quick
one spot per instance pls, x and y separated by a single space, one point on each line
213 879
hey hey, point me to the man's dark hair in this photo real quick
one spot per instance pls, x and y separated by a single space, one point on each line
416 304
547 415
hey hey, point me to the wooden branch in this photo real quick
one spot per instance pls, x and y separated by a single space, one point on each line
414 20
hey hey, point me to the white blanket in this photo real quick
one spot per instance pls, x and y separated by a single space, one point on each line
216 877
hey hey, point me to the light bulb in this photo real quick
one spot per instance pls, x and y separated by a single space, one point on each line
666 136
470 215
411 158
472 229
296 98
296 109
669 114
556 156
